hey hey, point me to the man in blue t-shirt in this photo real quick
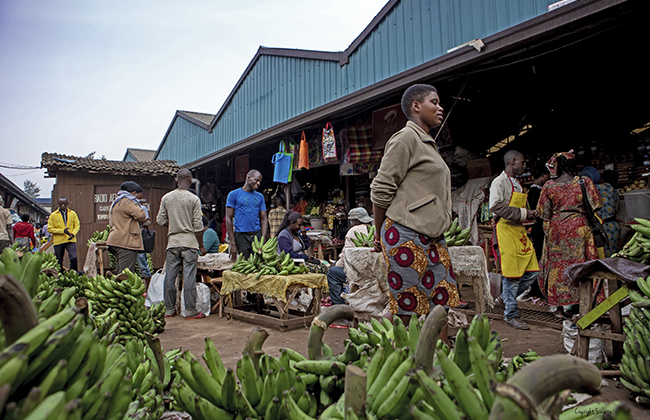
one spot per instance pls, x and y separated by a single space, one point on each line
246 215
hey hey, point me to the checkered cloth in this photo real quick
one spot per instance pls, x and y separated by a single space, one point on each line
360 143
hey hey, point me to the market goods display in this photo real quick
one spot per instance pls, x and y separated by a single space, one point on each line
640 184
63 366
638 248
265 260
364 240
455 236
402 377
100 235
635 365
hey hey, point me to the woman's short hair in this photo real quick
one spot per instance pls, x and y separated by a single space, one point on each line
415 93
289 218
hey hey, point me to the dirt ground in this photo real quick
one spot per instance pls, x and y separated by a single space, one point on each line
229 337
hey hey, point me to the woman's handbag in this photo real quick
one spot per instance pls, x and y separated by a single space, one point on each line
600 237
329 142
148 239
282 161
304 153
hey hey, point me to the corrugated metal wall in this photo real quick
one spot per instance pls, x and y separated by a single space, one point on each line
279 88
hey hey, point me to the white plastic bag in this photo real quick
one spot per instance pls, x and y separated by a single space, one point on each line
156 291
203 305
596 345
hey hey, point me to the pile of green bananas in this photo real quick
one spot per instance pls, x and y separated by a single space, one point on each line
62 368
124 294
638 248
518 362
100 235
265 260
364 241
50 261
636 347
454 236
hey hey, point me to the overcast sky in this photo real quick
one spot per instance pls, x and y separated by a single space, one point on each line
78 76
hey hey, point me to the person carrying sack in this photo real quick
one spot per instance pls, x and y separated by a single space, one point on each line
519 267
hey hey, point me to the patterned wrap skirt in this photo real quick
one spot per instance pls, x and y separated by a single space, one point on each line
420 274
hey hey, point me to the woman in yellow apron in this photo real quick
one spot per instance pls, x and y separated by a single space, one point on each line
518 261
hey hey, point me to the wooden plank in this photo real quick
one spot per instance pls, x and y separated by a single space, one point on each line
582 341
605 306
617 322
267 320
602 335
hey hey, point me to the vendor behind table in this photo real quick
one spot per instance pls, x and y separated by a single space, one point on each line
292 236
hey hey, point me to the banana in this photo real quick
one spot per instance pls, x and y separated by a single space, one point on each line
208 410
463 392
438 398
643 286
485 376
208 387
401 336
393 383
213 361
395 403
228 390
12 370
392 363
249 381
374 366
321 367
291 409
461 350
50 407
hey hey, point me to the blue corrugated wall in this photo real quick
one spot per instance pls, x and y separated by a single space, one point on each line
279 88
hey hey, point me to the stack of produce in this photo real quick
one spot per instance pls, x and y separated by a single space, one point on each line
265 260
639 184
454 236
124 294
400 379
100 235
635 365
638 248
62 366
364 240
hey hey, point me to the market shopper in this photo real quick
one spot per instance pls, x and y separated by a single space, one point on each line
180 209
142 260
6 230
519 265
24 233
64 226
125 216
607 213
540 175
276 215
359 222
568 234
411 197
246 215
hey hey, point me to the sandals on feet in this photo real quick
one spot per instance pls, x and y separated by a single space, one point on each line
197 316
170 316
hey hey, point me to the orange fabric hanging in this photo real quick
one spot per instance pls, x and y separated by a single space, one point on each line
303 161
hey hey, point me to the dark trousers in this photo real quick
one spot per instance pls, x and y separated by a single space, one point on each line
71 247
336 280
126 258
244 241
177 259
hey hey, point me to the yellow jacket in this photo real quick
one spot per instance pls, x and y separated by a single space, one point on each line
56 226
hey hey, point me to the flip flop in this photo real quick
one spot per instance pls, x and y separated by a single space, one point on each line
198 316
170 316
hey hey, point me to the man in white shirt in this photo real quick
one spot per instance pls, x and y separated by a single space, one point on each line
336 279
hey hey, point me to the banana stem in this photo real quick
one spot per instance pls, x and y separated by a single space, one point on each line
426 347
320 324
542 379
17 312
154 343
355 390
253 346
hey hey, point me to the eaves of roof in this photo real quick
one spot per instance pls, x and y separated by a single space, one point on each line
16 191
53 162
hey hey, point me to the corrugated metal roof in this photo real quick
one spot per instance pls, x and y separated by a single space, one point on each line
139 155
281 84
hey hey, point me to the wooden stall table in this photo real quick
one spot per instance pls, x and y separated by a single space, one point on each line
281 290
210 269
589 313
470 267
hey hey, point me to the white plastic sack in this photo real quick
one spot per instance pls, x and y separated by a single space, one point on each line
156 291
366 278
203 305
596 345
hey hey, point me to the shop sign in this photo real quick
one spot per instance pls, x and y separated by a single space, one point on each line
104 197
385 123
241 168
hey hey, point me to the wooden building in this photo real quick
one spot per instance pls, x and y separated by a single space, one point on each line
18 202
90 186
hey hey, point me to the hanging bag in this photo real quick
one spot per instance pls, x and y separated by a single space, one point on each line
303 162
600 237
329 142
282 162
148 239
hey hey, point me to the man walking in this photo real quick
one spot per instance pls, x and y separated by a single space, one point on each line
6 231
181 211
125 216
519 266
64 226
246 215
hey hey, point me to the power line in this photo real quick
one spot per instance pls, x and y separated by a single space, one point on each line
14 166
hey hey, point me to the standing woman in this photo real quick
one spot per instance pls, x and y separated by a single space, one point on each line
568 235
411 197
607 214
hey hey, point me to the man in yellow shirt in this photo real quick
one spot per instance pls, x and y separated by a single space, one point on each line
64 226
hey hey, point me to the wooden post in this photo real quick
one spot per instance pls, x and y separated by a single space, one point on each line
355 391
586 287
617 324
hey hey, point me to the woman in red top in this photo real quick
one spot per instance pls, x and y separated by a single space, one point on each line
24 233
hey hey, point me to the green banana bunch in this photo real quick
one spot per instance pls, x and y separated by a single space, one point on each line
264 260
454 236
634 365
367 240
638 247
100 235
